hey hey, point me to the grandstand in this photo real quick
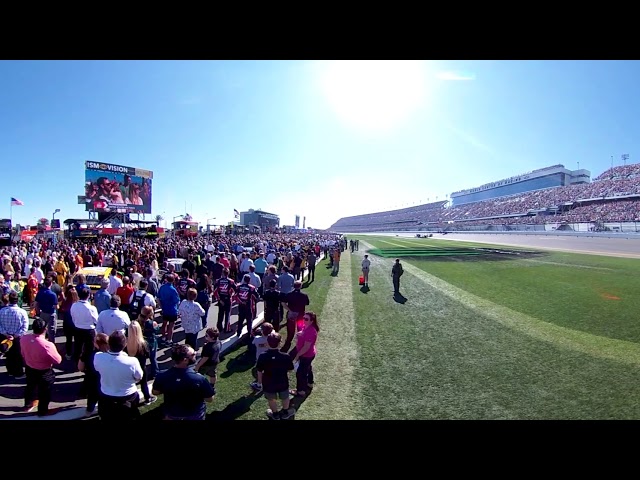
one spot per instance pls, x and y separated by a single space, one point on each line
613 197
548 177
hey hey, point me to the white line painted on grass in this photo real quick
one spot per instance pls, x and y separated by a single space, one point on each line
337 394
619 350
532 260
391 243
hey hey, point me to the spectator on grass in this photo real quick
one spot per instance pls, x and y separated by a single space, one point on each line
208 363
396 273
261 345
273 368
259 342
366 263
271 298
304 353
297 302
185 391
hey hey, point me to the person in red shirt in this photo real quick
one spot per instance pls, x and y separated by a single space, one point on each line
125 292
40 355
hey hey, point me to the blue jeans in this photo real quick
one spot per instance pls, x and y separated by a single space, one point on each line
51 319
204 317
153 359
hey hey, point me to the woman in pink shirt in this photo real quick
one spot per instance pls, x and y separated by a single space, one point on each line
304 353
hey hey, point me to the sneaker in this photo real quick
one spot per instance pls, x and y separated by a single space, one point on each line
256 386
29 408
50 412
273 415
150 400
288 413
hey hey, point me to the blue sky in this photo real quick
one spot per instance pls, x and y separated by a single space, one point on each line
314 138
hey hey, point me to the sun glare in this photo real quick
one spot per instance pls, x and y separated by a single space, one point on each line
375 95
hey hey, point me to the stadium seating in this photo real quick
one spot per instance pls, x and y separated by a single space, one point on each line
609 198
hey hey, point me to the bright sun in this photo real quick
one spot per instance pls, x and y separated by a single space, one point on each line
374 95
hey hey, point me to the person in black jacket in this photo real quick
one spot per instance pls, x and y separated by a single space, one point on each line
91 376
271 298
203 297
396 273
223 292
247 297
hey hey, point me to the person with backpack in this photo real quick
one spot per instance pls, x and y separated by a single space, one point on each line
149 330
204 297
139 299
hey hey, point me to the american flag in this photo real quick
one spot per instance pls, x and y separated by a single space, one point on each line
15 201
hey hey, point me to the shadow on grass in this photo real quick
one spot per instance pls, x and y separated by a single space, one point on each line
364 289
457 254
399 298
243 362
235 409
296 402
62 392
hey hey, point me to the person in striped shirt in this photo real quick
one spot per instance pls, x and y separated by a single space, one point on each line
14 323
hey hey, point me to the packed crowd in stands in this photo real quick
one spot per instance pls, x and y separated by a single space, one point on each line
623 172
606 191
45 279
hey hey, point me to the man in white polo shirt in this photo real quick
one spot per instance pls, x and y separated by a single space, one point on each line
84 317
113 319
119 373
114 282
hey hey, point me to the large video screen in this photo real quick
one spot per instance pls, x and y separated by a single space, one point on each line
116 189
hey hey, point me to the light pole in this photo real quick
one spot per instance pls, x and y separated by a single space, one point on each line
208 229
53 217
